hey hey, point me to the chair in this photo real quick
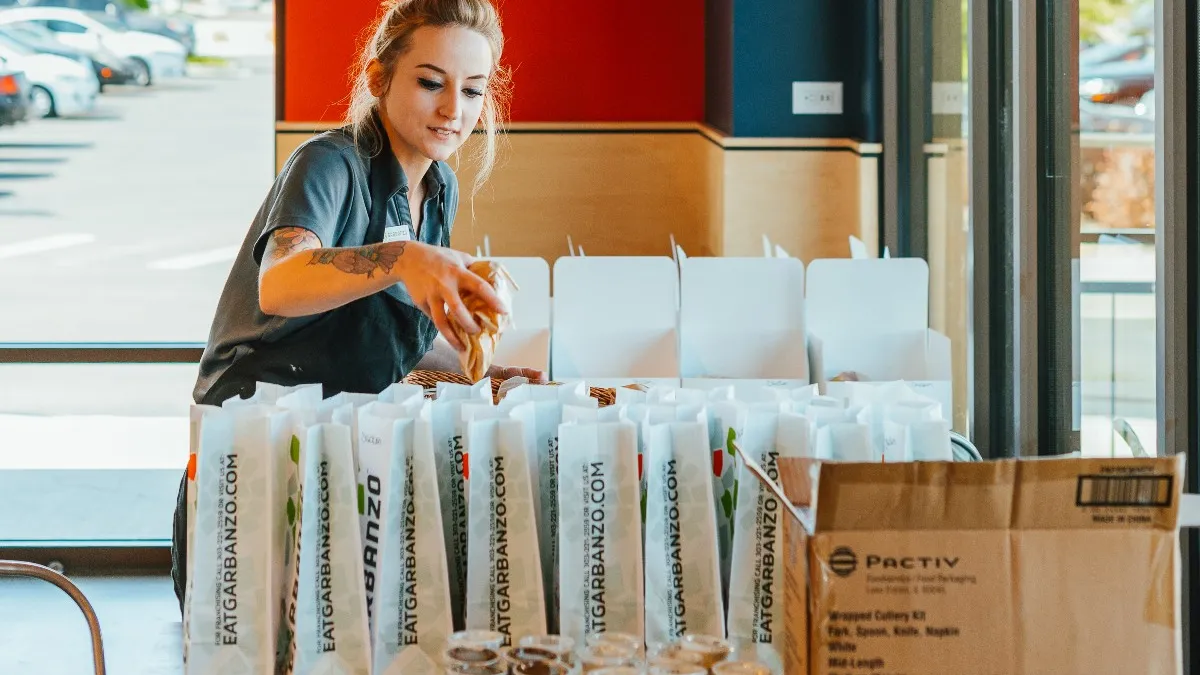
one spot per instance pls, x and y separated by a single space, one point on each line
10 568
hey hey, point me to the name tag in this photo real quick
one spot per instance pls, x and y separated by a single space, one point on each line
397 233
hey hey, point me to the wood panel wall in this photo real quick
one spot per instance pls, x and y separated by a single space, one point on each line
627 188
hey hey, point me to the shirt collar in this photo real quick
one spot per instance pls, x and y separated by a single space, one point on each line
387 176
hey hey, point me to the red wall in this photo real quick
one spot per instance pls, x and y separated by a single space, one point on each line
572 60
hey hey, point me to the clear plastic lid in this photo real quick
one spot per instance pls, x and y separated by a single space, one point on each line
623 639
469 655
559 644
741 668
669 667
488 639
607 655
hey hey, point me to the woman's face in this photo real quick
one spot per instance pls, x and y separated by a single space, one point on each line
436 92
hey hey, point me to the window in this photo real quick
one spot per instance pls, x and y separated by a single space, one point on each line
1115 261
112 277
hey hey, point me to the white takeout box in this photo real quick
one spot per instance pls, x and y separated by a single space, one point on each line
615 321
871 317
527 341
742 323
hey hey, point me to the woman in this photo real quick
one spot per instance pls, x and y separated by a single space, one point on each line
345 277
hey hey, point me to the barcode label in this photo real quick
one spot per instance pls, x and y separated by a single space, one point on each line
1124 491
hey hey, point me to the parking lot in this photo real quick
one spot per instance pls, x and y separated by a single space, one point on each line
119 226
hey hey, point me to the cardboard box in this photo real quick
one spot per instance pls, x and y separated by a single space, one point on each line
527 340
794 477
1006 567
729 336
871 317
615 321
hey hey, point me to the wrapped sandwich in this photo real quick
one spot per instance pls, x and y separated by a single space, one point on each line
481 348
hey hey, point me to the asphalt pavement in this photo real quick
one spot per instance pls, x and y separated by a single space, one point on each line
120 226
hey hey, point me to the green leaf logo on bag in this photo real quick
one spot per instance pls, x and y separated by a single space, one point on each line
295 450
727 503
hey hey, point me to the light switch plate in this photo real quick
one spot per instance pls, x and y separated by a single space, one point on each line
816 98
949 98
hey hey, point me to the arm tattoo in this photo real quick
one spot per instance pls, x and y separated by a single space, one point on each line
288 240
362 260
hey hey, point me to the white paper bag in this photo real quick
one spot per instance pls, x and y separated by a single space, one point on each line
845 442
505 590
331 609
232 616
400 392
600 557
195 424
412 617
283 448
928 441
375 452
757 623
448 433
543 416
683 581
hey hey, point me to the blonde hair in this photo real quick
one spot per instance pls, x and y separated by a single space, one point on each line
392 37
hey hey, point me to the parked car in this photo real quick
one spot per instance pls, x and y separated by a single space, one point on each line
1133 49
133 18
1121 82
153 57
109 68
14 94
58 85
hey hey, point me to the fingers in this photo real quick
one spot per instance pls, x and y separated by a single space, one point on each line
472 283
534 375
460 315
437 312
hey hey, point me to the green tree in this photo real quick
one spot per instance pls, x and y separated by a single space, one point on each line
1097 15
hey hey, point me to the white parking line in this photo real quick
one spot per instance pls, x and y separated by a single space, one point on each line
193 260
43 244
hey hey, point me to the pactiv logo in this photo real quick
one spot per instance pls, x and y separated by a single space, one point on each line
843 562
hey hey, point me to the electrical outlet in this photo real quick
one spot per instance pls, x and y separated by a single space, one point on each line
816 98
949 98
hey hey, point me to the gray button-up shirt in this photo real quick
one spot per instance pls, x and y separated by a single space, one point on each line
328 186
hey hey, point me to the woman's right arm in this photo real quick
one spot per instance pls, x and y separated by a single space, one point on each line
300 277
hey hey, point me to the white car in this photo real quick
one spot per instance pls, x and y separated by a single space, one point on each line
154 57
58 85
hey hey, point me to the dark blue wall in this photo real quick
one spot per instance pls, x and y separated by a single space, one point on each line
777 42
718 64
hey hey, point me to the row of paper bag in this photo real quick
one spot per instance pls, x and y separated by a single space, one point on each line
353 534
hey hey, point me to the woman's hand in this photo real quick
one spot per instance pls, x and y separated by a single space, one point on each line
534 375
437 278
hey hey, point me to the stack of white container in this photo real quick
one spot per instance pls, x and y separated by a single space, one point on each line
353 534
